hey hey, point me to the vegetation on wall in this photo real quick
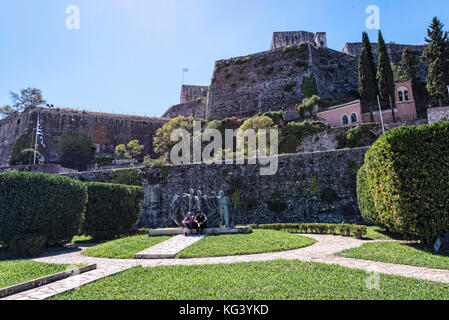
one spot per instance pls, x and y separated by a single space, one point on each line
308 105
309 87
294 133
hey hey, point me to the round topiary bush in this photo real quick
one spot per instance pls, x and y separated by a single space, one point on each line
111 209
50 206
408 173
365 199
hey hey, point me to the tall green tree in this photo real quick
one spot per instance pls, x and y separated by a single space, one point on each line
367 73
29 97
436 55
385 76
408 65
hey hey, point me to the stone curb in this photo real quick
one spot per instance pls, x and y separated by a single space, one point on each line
45 280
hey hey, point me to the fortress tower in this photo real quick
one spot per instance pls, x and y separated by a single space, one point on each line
282 39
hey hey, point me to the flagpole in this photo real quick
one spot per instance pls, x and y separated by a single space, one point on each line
35 142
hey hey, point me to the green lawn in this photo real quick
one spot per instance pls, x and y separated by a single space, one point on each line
376 233
18 271
275 280
259 241
399 253
124 248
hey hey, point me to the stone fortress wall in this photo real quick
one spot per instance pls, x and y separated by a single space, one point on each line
310 187
106 130
272 80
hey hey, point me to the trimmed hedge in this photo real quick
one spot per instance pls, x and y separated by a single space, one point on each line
365 198
317 228
408 173
39 204
112 209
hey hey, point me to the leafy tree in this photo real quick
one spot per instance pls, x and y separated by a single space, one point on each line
130 151
367 73
162 142
26 98
436 55
385 77
75 150
257 123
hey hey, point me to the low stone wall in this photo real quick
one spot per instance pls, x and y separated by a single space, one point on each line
45 167
311 187
438 114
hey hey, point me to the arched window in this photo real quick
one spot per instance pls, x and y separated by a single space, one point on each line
354 118
344 120
403 94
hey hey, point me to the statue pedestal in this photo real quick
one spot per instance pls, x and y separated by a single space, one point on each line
211 231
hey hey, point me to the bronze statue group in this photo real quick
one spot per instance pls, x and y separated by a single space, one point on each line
202 211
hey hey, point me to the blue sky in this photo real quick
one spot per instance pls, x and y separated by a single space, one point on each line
128 55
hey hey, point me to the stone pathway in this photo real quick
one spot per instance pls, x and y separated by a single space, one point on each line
322 252
168 249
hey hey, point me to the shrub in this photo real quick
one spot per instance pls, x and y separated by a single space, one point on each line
365 198
276 116
103 161
408 174
75 150
344 229
26 157
111 209
359 231
36 203
359 136
24 142
128 177
295 132
308 105
27 245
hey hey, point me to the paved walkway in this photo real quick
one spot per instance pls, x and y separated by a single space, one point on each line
322 252
168 249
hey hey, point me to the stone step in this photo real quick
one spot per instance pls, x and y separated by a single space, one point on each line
211 231
168 249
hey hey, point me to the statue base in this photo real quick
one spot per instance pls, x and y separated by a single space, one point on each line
211 231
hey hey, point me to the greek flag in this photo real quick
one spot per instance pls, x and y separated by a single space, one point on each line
40 134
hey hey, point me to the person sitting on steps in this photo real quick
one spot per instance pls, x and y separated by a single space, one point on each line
200 222
188 222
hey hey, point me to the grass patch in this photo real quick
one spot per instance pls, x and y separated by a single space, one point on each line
274 280
376 233
81 239
259 241
124 248
18 271
399 253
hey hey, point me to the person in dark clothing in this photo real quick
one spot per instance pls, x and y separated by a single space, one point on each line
189 222
200 222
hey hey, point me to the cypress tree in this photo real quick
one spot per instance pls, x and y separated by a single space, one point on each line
385 76
367 73
408 65
436 55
